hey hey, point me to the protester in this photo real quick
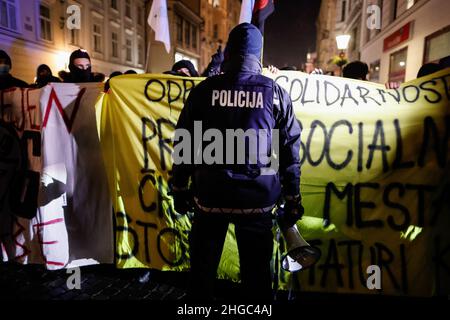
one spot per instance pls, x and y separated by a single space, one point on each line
130 72
428 68
445 62
356 70
183 68
112 75
81 69
242 194
44 76
6 79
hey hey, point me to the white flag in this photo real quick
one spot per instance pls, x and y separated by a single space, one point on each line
159 21
246 11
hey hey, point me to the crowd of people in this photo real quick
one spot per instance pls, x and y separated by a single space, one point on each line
80 70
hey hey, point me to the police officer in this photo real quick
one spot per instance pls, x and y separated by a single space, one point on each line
232 192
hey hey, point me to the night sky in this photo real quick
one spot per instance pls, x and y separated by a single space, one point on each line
290 32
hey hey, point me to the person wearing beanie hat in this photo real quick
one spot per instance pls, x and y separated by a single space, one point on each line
242 192
80 68
6 79
44 76
183 68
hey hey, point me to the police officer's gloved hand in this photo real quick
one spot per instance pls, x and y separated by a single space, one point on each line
293 210
217 58
214 65
183 201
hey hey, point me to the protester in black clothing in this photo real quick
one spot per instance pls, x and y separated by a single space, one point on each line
6 79
44 76
81 69
183 68
445 62
356 70
428 68
112 75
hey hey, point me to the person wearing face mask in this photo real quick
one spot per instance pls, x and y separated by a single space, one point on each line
80 69
44 76
6 79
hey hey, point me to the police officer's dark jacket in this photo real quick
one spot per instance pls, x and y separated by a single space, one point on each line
241 98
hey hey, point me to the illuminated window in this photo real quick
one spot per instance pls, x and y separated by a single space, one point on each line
129 51
46 22
397 66
437 45
409 4
8 14
97 36
374 71
115 44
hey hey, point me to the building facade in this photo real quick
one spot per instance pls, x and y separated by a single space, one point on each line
184 28
219 16
35 32
394 37
197 28
413 32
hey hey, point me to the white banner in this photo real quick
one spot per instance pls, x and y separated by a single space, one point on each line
72 224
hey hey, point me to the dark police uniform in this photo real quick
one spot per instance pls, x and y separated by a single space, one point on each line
231 192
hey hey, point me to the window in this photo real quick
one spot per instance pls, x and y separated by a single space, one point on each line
187 34
114 4
194 37
179 22
128 8
397 65
97 34
216 31
374 71
409 4
139 16
437 45
394 5
344 5
129 53
8 14
140 52
46 22
74 37
115 44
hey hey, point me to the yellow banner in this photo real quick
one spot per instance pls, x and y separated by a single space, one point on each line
375 180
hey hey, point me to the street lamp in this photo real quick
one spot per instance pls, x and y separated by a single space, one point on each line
342 45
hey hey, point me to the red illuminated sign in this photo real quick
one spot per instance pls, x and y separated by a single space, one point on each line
401 35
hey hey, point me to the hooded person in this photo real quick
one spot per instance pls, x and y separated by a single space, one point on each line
356 70
184 68
245 188
81 69
44 76
6 79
